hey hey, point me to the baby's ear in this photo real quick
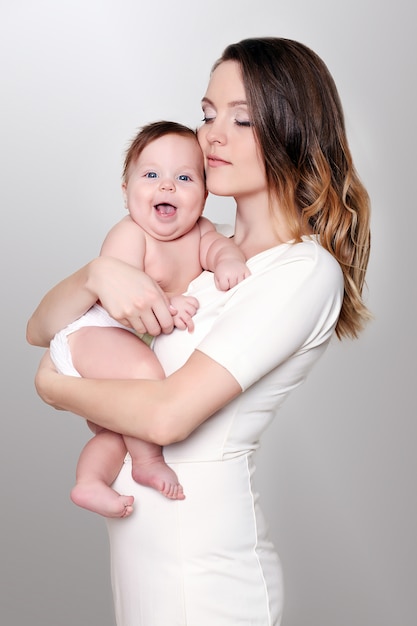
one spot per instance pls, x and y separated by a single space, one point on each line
124 194
204 203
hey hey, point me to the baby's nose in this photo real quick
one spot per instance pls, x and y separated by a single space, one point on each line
167 184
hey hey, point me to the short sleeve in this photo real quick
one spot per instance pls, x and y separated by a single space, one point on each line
290 304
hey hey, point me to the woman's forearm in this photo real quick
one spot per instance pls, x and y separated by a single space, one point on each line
160 411
126 292
64 303
98 400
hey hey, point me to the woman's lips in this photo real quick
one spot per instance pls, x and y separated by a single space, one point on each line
215 161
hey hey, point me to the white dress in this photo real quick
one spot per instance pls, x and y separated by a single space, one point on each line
207 560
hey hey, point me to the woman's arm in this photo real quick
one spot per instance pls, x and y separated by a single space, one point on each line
128 295
64 303
160 411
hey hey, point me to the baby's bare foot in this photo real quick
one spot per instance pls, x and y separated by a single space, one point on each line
101 499
155 473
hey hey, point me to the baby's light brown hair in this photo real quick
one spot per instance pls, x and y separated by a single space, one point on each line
147 134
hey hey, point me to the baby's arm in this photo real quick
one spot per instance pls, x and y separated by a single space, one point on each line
221 256
126 241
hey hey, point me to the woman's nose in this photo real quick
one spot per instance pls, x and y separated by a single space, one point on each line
215 132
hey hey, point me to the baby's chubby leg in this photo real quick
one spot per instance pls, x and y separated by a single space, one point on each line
97 468
111 352
149 468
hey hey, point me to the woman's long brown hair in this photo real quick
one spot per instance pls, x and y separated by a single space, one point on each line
299 124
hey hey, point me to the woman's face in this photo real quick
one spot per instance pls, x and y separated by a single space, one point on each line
234 166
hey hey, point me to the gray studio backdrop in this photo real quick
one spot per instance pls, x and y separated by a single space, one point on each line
337 470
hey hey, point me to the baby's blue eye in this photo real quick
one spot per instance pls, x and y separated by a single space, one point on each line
151 175
184 177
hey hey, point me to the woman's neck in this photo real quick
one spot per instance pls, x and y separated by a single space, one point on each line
256 230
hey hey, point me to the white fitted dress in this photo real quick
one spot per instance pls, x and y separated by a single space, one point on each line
207 560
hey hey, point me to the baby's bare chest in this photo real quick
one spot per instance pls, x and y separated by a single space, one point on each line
174 264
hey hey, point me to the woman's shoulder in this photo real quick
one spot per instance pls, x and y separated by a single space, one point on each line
299 263
308 250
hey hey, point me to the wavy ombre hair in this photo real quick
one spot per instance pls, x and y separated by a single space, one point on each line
299 124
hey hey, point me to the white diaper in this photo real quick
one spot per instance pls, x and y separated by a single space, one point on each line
60 351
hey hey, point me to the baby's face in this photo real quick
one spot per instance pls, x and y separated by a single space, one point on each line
165 190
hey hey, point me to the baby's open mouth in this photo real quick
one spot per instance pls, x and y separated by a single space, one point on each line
165 209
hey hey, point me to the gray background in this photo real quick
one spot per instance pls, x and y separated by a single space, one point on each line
337 470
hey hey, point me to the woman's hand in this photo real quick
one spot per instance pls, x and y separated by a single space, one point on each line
130 296
127 293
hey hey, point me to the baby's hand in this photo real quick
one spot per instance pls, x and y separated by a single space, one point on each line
230 272
186 307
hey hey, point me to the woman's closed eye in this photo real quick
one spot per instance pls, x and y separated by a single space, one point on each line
209 113
247 123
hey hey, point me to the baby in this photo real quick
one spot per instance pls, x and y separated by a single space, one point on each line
166 236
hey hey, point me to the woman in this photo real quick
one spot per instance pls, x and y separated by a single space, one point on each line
273 138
